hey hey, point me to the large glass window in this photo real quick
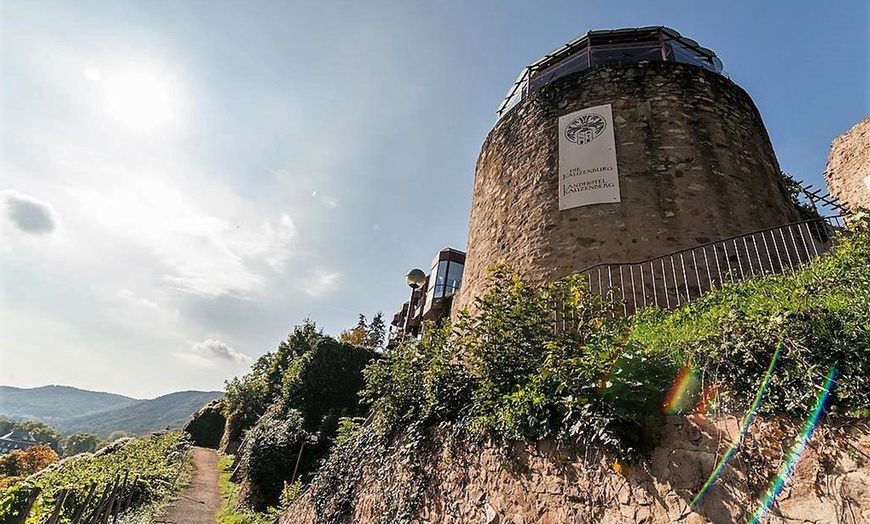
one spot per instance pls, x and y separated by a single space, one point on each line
437 279
609 47
689 56
577 62
454 278
626 53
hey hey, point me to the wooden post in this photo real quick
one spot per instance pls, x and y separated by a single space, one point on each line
31 500
111 503
118 508
58 504
77 516
128 499
95 515
298 459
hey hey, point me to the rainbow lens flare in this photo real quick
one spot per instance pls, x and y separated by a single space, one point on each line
796 450
747 419
683 391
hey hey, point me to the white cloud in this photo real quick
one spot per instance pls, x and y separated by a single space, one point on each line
321 283
327 201
29 214
128 297
215 349
198 252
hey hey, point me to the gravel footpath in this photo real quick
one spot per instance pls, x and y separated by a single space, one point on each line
197 503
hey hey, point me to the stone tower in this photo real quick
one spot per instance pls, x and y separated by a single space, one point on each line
848 172
619 146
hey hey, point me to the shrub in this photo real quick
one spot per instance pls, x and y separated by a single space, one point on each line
551 361
821 315
419 380
206 427
270 454
507 373
323 384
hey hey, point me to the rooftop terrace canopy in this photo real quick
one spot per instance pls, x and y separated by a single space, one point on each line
613 46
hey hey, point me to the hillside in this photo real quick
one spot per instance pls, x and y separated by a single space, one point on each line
142 416
52 404
761 387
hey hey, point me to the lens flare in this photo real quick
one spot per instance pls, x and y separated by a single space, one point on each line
791 459
682 393
708 395
747 419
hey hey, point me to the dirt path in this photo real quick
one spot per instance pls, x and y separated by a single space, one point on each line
198 502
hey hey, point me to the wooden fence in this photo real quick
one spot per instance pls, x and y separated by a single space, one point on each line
101 505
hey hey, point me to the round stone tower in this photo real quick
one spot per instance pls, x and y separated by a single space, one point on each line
618 147
848 172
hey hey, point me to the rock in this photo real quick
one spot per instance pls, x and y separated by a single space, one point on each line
490 516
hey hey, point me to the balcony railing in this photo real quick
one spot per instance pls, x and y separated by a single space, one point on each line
672 280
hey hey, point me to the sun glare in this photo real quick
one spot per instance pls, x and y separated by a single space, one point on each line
142 98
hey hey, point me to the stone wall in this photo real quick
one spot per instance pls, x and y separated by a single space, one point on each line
848 171
695 165
543 484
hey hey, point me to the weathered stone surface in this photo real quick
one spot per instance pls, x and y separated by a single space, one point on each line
695 164
539 484
847 174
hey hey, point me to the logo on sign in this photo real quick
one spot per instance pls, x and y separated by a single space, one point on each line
585 128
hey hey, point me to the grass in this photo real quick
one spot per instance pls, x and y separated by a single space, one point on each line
230 512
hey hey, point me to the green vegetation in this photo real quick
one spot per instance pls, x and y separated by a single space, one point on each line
231 512
207 425
370 335
292 397
40 431
43 433
21 463
273 445
80 443
795 192
507 374
821 313
151 464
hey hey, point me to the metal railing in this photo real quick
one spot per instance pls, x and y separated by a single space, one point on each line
671 280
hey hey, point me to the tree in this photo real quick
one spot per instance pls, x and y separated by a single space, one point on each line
37 458
118 434
80 443
11 465
6 426
357 334
365 334
41 432
377 330
21 463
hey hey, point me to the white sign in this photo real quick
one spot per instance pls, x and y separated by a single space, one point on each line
587 158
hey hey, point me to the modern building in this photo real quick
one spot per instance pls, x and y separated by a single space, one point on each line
432 300
619 146
16 439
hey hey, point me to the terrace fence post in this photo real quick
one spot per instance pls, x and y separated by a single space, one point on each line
31 500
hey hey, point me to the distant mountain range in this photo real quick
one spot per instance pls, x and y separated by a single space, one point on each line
73 410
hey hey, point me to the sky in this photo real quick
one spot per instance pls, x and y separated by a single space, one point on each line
185 181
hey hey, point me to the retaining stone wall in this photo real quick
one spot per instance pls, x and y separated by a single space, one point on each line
539 483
